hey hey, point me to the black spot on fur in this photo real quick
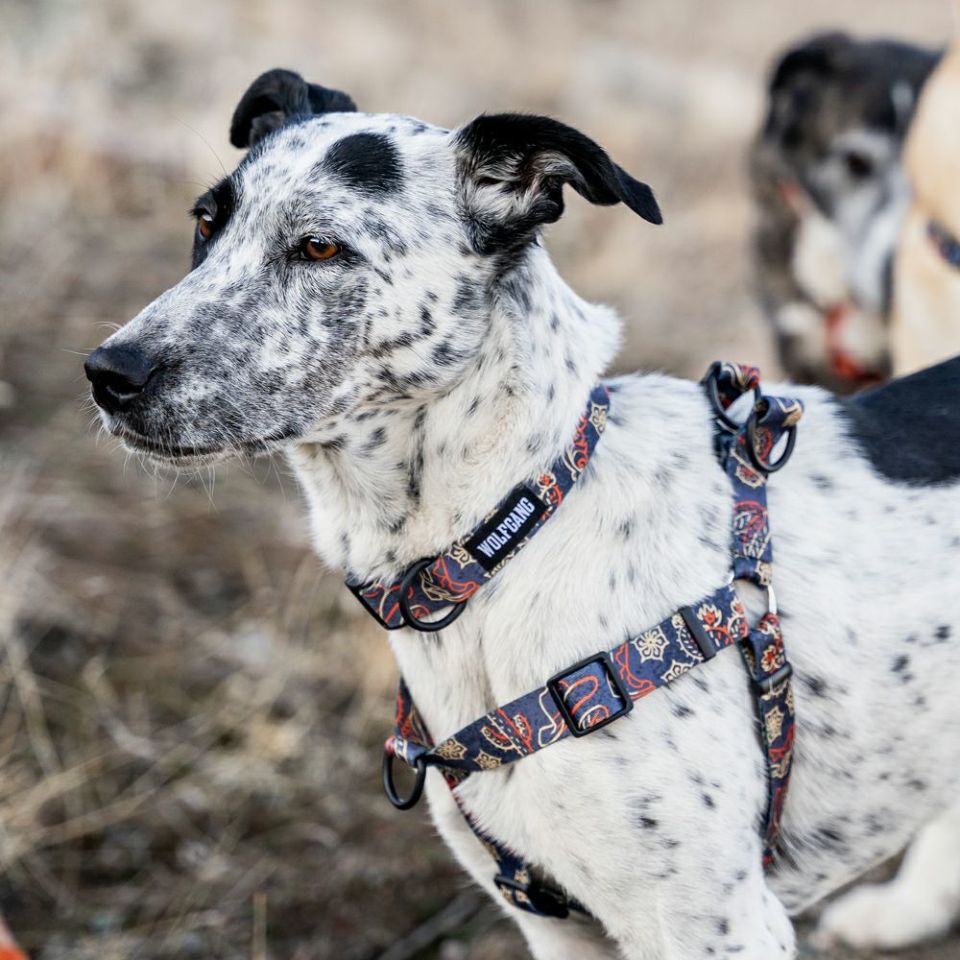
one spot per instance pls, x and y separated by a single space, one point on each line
900 663
909 430
466 299
366 161
816 685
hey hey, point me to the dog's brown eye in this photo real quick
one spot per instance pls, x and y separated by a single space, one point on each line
313 248
205 226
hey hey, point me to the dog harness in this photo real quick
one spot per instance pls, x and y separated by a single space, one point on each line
602 688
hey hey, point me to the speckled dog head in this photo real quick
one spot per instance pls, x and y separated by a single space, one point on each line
348 261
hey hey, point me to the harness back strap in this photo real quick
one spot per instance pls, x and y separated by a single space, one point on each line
746 453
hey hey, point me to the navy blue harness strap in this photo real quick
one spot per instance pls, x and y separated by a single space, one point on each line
746 451
584 697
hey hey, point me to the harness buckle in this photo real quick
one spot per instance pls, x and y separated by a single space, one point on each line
544 899
553 686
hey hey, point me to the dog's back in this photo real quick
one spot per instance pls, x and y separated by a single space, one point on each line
912 425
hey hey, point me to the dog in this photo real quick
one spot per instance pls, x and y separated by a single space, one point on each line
925 326
831 196
371 298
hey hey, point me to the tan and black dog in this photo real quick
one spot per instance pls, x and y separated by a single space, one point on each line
831 197
926 321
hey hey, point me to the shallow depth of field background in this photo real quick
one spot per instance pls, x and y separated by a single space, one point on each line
191 708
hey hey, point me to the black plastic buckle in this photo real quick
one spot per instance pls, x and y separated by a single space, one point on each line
769 684
553 685
547 901
424 626
389 788
766 466
708 649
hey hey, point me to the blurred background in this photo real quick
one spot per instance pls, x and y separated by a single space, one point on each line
191 709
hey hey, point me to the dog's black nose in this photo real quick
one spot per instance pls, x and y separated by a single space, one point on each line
118 375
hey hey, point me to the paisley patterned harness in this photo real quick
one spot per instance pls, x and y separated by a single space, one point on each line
590 694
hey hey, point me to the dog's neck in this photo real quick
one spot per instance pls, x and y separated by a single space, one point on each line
408 480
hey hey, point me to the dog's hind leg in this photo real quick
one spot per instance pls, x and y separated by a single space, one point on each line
920 903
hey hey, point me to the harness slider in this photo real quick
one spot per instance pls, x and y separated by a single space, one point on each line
553 685
707 647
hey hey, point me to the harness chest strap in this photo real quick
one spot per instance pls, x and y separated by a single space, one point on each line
581 699
576 702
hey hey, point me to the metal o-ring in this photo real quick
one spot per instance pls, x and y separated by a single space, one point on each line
425 626
763 465
389 788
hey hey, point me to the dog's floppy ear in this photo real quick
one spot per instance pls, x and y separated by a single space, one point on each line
512 168
276 96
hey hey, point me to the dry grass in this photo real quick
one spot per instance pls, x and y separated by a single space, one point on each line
190 712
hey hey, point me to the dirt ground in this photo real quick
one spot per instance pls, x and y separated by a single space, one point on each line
191 709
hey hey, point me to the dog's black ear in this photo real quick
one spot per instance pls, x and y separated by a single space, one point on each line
821 55
275 97
512 170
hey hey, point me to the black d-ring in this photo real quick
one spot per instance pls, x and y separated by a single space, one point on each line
762 465
426 626
390 789
711 385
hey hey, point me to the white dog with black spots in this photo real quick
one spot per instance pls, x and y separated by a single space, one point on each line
371 297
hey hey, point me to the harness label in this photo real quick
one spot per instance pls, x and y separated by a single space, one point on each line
497 538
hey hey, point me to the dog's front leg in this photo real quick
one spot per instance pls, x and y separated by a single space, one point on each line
694 918
570 939
573 938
